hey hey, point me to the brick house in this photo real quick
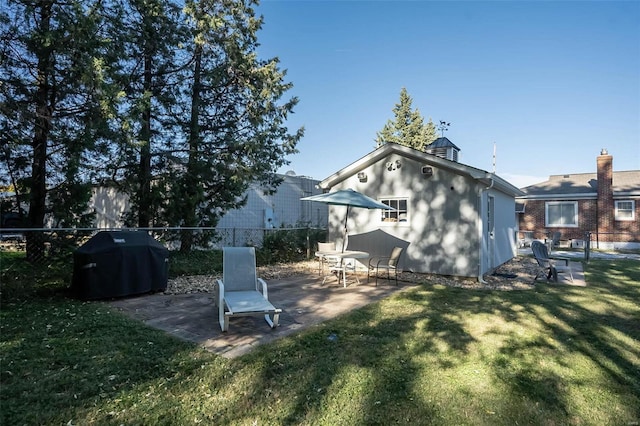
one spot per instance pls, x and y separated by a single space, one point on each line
604 203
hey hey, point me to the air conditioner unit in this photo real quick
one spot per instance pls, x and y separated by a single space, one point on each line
427 171
577 243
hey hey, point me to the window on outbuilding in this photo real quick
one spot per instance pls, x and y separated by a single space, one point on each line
401 212
625 210
561 214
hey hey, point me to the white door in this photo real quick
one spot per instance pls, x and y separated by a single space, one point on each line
491 240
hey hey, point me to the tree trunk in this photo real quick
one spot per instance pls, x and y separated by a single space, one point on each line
190 198
144 194
38 189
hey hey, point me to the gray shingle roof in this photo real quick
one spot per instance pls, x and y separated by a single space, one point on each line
442 142
626 181
584 183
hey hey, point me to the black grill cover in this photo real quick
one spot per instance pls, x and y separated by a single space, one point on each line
119 263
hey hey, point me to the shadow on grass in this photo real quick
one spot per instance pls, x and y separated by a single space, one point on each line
61 358
428 355
556 355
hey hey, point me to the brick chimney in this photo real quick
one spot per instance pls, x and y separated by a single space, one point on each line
606 214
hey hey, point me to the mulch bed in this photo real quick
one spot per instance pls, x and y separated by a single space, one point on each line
517 274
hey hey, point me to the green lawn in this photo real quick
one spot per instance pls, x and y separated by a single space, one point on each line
556 355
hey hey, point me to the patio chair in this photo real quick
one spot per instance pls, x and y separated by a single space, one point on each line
550 263
527 239
323 258
554 239
241 292
388 263
339 267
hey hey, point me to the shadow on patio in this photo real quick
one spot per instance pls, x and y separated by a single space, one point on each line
304 301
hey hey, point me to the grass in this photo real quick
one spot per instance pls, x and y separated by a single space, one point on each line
555 355
20 279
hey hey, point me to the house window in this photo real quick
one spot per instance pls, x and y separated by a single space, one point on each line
400 214
625 210
561 214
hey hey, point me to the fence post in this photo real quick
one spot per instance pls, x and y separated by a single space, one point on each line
308 244
233 236
587 246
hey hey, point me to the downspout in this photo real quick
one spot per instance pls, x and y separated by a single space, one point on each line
481 229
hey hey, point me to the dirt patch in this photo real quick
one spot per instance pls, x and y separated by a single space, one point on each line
517 274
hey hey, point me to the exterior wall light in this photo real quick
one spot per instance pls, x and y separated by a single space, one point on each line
362 176
427 171
393 165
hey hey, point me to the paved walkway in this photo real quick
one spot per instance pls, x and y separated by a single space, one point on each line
578 275
578 255
303 299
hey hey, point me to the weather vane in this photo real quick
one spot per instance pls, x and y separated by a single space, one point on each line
443 127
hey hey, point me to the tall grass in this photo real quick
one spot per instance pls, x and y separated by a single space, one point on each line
555 355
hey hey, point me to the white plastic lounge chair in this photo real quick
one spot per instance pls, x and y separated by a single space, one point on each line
241 292
388 263
550 263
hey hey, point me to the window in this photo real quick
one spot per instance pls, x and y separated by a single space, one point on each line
625 210
561 214
400 214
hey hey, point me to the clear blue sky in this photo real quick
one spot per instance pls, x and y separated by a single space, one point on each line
550 83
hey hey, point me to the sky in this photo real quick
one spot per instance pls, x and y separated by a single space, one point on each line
548 83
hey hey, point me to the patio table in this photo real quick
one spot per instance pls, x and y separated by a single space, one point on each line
342 255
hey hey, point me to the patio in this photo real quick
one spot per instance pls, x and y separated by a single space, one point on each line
304 301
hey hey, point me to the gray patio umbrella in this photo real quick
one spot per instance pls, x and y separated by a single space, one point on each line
349 198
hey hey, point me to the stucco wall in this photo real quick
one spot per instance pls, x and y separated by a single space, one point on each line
442 231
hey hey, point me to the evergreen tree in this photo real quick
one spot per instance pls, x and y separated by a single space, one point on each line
431 132
234 124
169 99
51 111
149 34
408 127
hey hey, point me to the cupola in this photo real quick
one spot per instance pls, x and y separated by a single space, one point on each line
443 148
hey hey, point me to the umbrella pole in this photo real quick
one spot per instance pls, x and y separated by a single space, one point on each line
346 232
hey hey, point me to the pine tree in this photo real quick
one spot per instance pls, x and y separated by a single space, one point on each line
169 99
149 35
431 131
408 127
51 111
234 119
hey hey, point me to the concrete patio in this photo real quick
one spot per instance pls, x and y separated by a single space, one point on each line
304 301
